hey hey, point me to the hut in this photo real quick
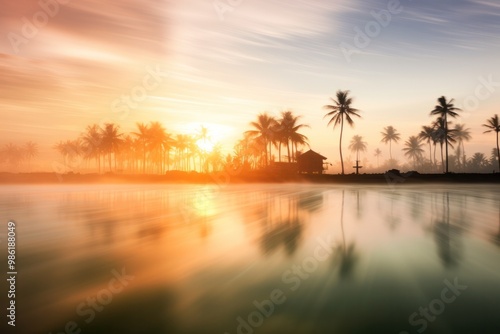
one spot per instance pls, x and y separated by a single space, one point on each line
310 162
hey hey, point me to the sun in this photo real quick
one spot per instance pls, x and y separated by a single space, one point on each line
205 145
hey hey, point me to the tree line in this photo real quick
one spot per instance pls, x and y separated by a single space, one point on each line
437 133
151 149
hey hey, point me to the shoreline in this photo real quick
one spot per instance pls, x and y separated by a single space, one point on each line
177 177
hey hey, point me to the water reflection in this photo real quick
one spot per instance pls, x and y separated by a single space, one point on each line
346 251
446 235
201 256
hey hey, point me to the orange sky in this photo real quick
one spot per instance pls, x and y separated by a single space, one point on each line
222 70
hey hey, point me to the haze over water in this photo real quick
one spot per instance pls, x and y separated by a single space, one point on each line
198 259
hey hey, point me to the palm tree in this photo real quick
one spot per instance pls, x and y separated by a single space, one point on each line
111 141
288 132
478 162
340 109
390 134
13 154
377 154
357 144
158 140
413 149
91 144
30 151
494 125
203 136
264 131
461 134
427 134
442 136
443 110
143 137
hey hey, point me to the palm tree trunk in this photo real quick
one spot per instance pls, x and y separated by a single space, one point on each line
143 158
342 222
288 149
340 143
430 152
434 163
446 139
390 149
442 159
279 151
498 154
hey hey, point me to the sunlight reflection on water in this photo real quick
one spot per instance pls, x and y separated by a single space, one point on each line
345 259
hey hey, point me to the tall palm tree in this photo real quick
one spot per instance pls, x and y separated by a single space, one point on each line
427 134
442 136
91 144
143 137
413 149
377 154
357 145
181 143
444 109
30 151
494 125
340 109
390 134
461 134
288 132
158 139
111 141
264 131
203 136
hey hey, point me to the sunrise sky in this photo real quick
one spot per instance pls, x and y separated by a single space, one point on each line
220 65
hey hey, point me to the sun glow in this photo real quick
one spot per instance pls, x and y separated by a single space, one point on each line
214 135
205 145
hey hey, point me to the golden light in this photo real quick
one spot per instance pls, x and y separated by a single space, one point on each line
205 145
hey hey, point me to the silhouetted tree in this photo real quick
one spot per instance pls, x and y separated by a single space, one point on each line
111 141
357 145
340 109
461 134
427 134
445 109
390 134
413 149
264 131
494 125
30 151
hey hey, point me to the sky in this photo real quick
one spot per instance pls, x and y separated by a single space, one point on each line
219 63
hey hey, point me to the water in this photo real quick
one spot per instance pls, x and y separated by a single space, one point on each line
254 258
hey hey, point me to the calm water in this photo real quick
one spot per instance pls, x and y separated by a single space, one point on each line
254 259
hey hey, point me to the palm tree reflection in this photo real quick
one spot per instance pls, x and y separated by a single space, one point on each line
346 254
283 224
445 235
496 238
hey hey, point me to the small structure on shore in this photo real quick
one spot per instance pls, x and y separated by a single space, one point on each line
357 167
310 162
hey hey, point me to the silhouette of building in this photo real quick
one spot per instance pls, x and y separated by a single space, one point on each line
310 162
